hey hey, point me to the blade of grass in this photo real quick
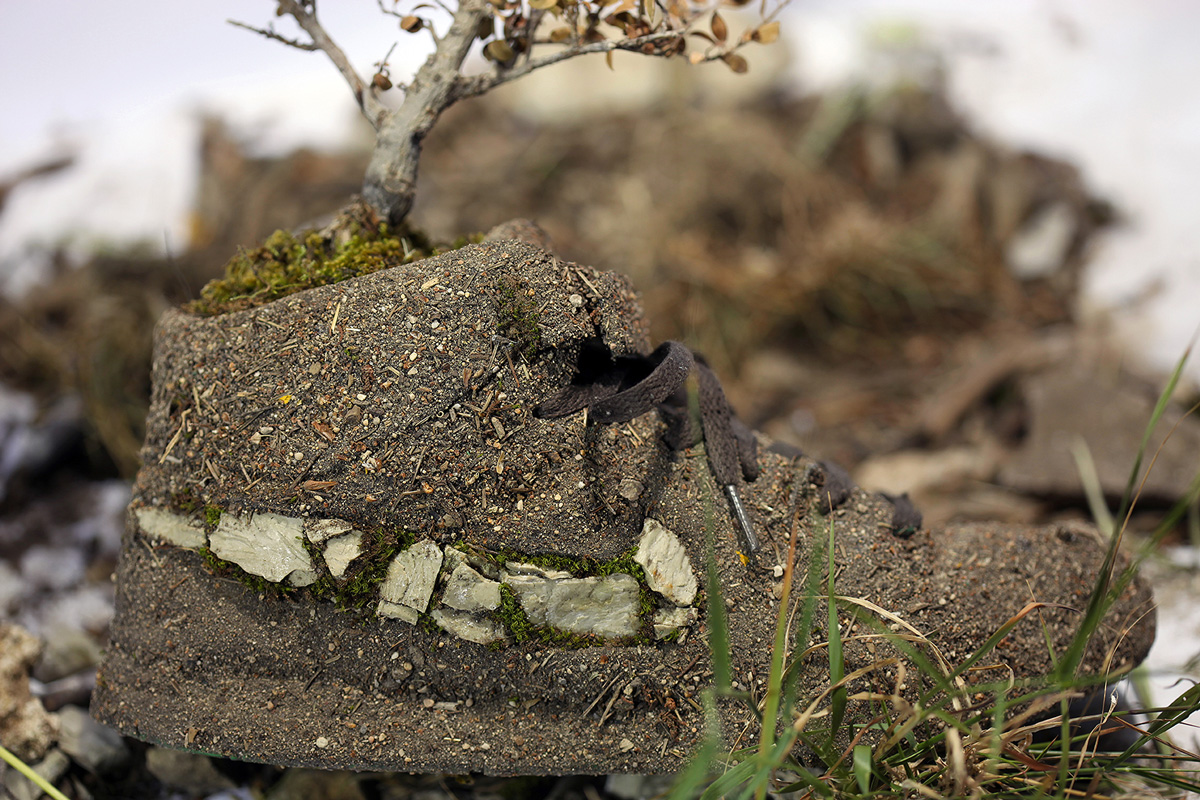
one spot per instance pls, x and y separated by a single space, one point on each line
1092 490
804 630
1159 409
700 765
863 766
837 667
1170 716
718 622
775 677
1100 600
20 766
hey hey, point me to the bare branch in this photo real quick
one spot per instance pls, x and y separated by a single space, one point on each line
371 108
391 177
271 34
476 85
390 12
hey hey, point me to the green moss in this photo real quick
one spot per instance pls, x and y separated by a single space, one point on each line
426 623
513 617
287 263
518 318
212 517
523 629
186 502
579 566
359 587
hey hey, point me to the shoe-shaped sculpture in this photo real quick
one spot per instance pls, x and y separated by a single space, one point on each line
452 516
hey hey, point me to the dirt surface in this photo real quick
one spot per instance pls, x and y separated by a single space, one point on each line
848 282
210 665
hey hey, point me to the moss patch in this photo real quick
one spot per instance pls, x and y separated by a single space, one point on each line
212 518
287 263
522 629
185 502
518 317
579 566
359 587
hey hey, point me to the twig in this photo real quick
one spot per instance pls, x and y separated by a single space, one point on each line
476 85
271 34
371 108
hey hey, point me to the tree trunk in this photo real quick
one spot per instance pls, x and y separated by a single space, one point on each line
391 180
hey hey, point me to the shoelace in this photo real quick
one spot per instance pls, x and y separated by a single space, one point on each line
616 389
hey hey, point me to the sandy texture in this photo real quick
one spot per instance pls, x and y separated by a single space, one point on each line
358 380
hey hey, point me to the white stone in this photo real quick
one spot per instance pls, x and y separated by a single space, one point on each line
483 566
604 607
397 611
1040 247
669 620
267 545
341 550
467 590
171 528
452 558
521 568
410 580
468 626
665 561
320 530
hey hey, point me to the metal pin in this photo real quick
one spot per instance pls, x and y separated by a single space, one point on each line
743 520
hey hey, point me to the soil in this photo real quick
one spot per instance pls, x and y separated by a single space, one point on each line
214 666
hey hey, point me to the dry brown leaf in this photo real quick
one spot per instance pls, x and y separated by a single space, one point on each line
412 23
560 35
736 63
499 51
719 28
543 5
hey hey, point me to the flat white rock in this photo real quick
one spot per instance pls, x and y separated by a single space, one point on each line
606 607
468 626
665 561
320 530
267 545
410 580
341 550
167 527
467 590
669 620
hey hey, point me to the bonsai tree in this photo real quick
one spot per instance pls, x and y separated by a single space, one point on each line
518 37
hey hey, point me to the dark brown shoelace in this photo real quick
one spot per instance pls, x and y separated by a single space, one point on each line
616 389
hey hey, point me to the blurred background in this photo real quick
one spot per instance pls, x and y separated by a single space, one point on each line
936 242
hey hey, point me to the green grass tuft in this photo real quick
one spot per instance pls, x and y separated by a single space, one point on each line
964 736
